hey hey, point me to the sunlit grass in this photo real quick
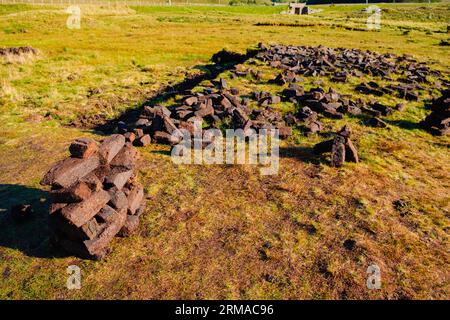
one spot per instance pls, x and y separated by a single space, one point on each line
206 228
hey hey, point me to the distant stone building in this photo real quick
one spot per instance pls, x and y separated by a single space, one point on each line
298 8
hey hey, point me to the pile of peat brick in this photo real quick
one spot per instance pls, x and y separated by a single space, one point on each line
95 196
438 122
331 104
212 106
219 103
340 63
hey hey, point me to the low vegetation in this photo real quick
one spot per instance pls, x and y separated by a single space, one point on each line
223 232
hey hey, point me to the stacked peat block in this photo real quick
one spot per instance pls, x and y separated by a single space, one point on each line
438 122
341 148
95 195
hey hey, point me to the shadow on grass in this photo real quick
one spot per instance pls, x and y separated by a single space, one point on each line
303 154
299 153
162 152
32 235
404 124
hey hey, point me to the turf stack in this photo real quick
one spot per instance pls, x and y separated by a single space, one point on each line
341 148
95 195
438 122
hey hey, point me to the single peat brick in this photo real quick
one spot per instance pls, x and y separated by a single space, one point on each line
83 148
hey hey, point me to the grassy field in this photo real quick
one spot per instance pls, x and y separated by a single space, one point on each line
223 232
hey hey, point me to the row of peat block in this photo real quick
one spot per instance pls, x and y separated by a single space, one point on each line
95 196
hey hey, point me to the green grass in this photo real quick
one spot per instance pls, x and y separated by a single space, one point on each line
205 227
222 10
